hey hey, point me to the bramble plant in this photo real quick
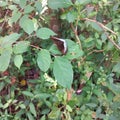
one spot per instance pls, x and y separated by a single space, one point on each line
59 59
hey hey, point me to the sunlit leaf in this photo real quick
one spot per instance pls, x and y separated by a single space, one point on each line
68 108
54 114
45 33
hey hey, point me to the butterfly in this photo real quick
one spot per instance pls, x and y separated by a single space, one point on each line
61 44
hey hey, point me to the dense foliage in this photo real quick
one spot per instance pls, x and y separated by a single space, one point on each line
38 81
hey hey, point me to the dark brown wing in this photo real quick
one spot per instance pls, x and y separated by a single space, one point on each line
61 44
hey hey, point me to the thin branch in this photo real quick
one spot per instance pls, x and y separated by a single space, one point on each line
112 41
101 25
35 47
94 51
5 19
105 29
76 35
30 36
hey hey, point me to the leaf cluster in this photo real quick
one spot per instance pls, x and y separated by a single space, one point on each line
37 81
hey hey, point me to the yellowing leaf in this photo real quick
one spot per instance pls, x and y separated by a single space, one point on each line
23 82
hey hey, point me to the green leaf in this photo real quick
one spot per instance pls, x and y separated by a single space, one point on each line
114 88
83 1
116 7
68 108
3 3
94 26
21 47
63 72
27 93
44 60
16 1
104 37
73 50
22 106
45 111
89 42
13 7
109 46
18 60
45 33
54 114
71 16
93 105
38 6
5 59
98 44
35 22
7 104
119 40
48 103
32 109
54 50
27 24
116 68
43 117
2 85
7 41
1 105
30 116
55 4
42 95
28 9
16 15
22 3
